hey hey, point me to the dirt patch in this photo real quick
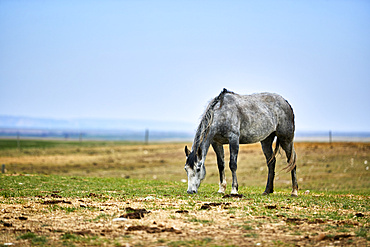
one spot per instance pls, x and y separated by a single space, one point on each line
233 195
182 211
164 221
56 202
134 213
153 229
271 207
214 204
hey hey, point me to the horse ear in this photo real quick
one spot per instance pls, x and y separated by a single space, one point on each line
199 153
187 152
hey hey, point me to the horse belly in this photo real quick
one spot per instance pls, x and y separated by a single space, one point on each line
255 132
251 138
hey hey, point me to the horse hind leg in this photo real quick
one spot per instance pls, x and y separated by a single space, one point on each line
291 160
234 149
270 160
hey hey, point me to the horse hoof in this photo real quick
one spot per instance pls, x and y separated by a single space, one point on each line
233 192
294 193
265 193
221 192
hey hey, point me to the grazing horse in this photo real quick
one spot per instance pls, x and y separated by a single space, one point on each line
236 119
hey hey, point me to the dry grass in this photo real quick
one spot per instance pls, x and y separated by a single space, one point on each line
320 166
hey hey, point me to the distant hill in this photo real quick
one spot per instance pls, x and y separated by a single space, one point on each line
107 129
92 124
119 129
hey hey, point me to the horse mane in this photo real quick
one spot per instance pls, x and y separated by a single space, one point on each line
207 119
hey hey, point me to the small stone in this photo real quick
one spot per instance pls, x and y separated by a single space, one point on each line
119 219
321 237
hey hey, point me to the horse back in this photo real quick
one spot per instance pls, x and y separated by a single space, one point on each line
254 117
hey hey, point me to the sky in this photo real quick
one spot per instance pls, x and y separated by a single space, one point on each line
165 60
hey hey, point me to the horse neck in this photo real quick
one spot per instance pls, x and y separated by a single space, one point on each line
203 136
203 144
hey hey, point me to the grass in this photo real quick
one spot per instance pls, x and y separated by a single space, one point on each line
103 189
11 144
304 209
335 168
70 239
36 240
202 242
121 176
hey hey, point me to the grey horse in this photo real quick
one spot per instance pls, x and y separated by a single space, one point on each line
236 119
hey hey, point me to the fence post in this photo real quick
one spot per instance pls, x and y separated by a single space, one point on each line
146 136
330 137
3 168
18 141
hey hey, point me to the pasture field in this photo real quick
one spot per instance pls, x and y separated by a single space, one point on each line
58 193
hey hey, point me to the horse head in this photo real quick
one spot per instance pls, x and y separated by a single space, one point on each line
195 169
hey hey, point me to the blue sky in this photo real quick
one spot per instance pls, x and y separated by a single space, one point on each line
164 60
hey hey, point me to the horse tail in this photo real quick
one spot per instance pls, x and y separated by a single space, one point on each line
276 150
291 161
293 156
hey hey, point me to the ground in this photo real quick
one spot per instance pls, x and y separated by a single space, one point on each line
146 206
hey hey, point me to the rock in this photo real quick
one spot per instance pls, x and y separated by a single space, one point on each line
119 219
321 237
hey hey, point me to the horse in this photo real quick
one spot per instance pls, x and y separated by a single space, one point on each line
236 119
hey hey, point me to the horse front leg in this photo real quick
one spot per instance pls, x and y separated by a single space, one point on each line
234 150
219 150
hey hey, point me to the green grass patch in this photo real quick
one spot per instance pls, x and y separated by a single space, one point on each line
363 232
9 144
200 221
202 242
97 188
71 239
66 209
35 239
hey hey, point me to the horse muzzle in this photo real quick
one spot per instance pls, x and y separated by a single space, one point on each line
192 191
